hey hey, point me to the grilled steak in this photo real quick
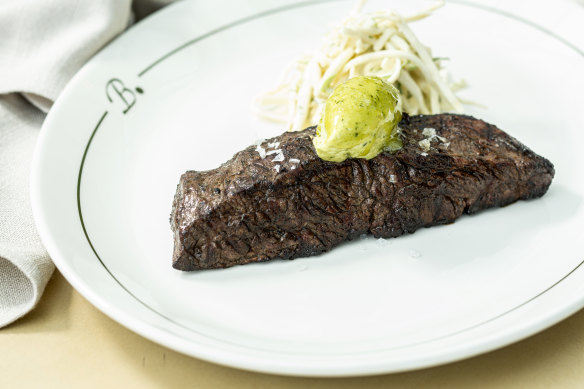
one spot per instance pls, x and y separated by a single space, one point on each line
280 200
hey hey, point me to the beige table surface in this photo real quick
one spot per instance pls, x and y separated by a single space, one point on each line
67 343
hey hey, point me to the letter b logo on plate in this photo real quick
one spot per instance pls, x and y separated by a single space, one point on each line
121 95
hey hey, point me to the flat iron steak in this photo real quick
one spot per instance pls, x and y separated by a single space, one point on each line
280 200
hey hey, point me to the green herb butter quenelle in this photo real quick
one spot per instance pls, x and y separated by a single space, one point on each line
359 120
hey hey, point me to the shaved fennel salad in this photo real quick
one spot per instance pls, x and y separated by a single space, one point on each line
379 44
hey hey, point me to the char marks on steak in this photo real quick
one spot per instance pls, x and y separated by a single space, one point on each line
253 208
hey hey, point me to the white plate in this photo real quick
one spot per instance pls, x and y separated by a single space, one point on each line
103 182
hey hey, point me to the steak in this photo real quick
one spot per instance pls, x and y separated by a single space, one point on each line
278 199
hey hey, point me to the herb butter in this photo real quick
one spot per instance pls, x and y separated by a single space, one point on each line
359 120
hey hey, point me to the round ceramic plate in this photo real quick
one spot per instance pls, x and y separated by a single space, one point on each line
173 94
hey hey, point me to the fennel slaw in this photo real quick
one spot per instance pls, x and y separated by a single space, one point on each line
379 44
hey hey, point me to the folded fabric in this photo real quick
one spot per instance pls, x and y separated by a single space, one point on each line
44 43
24 264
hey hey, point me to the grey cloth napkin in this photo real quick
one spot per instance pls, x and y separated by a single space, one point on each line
43 44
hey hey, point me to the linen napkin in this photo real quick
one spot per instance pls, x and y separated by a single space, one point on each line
43 43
